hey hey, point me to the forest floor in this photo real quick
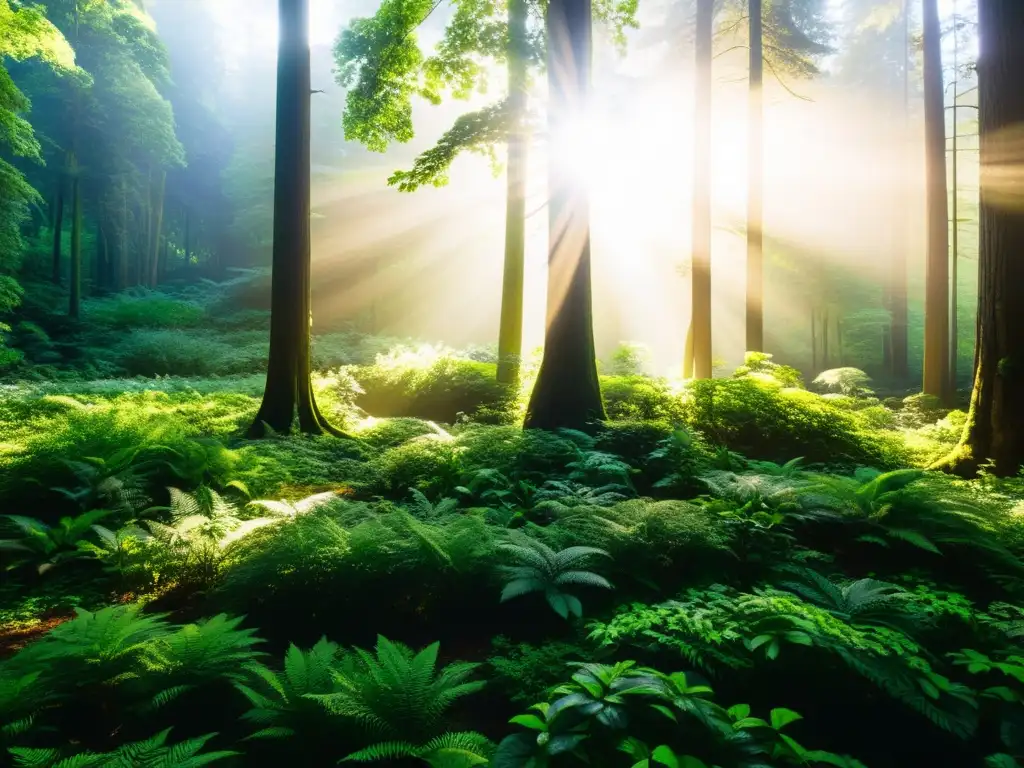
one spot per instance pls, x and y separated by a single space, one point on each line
778 545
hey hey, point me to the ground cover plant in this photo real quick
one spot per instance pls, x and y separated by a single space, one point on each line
666 587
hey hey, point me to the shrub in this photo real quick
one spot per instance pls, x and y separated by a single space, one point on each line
162 352
433 384
765 421
640 398
141 308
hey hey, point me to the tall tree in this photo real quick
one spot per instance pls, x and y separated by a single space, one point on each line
994 432
567 392
510 329
897 294
936 307
700 275
289 387
755 183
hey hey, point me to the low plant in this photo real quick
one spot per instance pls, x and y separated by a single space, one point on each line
539 568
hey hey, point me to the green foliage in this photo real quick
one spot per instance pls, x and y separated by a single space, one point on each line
144 309
523 672
46 546
379 62
433 384
154 751
280 701
450 750
539 568
396 692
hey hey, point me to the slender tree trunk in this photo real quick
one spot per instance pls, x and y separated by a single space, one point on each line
122 264
510 334
954 324
567 392
75 294
156 214
936 309
755 185
700 272
289 386
826 361
994 423
898 275
58 232
814 343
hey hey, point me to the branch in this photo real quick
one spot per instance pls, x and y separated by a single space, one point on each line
788 90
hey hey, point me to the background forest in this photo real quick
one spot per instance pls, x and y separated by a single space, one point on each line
517 384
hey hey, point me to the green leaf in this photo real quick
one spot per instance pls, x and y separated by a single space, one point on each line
529 721
664 755
781 717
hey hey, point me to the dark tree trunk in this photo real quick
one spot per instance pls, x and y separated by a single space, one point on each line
995 424
936 307
288 386
898 345
568 392
755 184
58 232
75 294
510 332
700 273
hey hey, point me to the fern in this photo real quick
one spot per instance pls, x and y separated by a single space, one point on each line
395 692
199 653
424 509
450 750
865 601
153 752
280 701
292 508
542 569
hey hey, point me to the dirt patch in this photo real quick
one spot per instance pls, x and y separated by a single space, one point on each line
13 639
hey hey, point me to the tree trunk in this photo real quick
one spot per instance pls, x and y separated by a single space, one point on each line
898 344
954 278
936 308
568 392
994 423
100 269
700 272
156 214
755 184
510 333
289 387
814 343
58 232
75 294
122 264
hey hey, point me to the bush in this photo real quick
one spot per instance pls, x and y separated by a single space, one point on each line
641 398
762 420
195 353
430 383
141 308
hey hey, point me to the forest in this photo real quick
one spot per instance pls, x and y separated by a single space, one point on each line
512 383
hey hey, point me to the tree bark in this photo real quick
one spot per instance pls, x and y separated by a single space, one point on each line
936 309
995 423
700 272
567 393
755 184
510 332
156 214
58 232
75 293
289 387
898 344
